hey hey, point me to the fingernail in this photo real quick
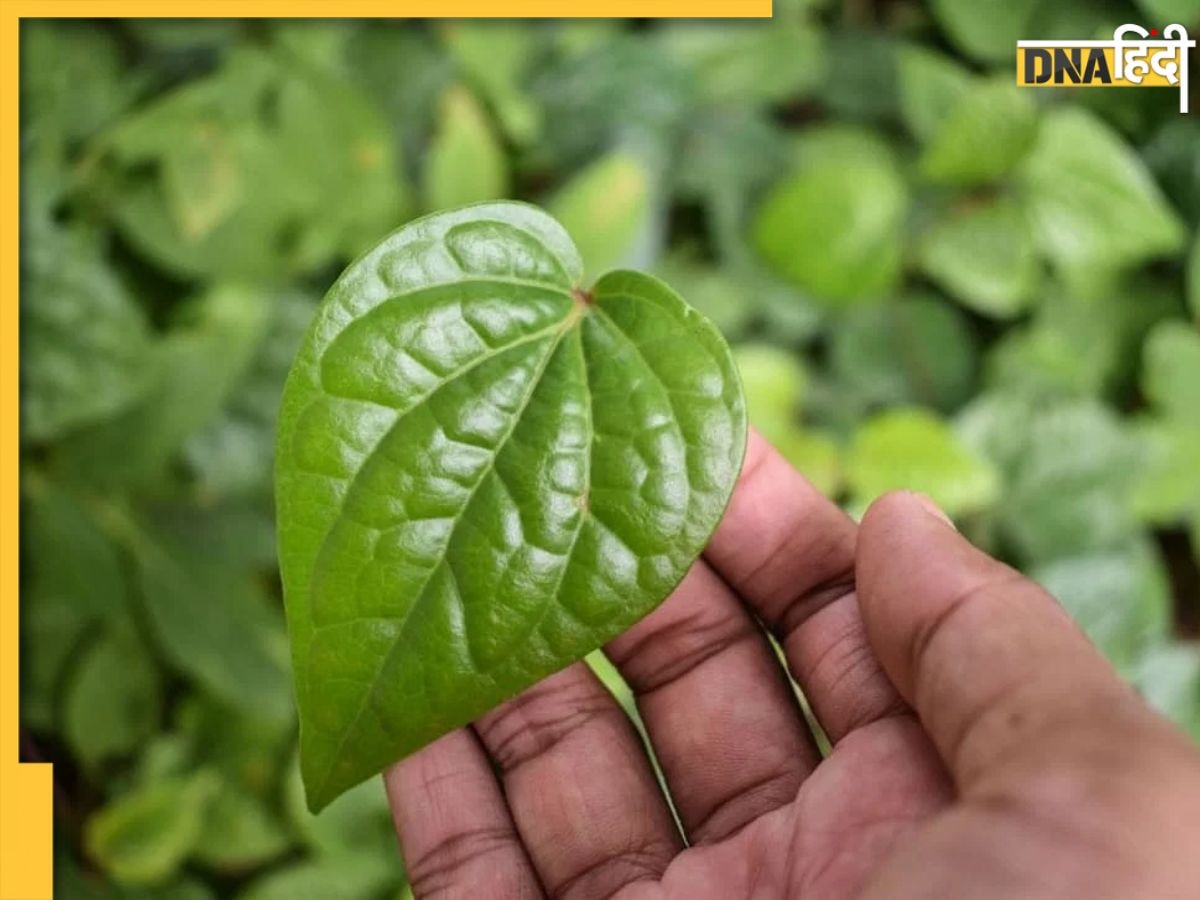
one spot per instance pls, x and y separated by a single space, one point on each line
933 509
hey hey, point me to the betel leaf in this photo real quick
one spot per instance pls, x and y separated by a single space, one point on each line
984 257
985 132
930 85
483 473
914 449
495 57
336 878
985 29
1193 278
1092 203
835 228
113 701
142 837
916 350
1171 363
750 64
85 344
606 207
465 162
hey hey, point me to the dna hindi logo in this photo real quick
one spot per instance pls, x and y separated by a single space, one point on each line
1134 57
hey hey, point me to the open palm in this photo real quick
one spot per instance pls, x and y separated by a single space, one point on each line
972 728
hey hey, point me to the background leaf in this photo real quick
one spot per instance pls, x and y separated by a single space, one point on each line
988 130
1091 200
85 347
834 228
984 257
113 701
144 837
607 208
910 448
985 29
466 163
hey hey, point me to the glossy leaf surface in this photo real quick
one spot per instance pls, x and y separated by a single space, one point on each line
483 473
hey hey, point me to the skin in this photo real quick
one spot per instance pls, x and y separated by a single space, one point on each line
981 746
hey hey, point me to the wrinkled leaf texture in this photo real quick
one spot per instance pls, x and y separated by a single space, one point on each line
484 472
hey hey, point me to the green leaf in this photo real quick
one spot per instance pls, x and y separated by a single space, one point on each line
334 878
114 699
983 256
144 836
465 162
484 472
1093 205
65 594
987 30
495 57
200 362
234 454
835 227
1168 481
1120 598
85 345
68 554
212 619
987 131
606 208
269 166
913 449
994 424
815 455
1171 157
863 80
1193 278
1070 489
357 822
917 350
71 80
617 90
750 63
246 749
1186 11
931 85
1169 678
1171 375
712 290
239 832
773 380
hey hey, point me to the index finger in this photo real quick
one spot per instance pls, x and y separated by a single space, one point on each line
788 551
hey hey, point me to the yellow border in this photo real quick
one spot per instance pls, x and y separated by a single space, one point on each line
418 9
25 790
26 840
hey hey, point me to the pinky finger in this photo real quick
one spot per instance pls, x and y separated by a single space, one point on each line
455 831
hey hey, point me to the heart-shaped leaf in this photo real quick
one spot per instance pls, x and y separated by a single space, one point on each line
484 472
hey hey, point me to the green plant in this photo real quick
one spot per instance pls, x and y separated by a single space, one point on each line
485 471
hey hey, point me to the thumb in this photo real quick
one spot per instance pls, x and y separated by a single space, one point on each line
1002 679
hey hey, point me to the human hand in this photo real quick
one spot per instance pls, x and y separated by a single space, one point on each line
981 746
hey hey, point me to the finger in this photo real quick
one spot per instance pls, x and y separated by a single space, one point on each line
721 715
789 552
455 832
580 787
997 671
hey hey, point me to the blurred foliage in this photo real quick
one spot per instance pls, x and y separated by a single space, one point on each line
932 280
